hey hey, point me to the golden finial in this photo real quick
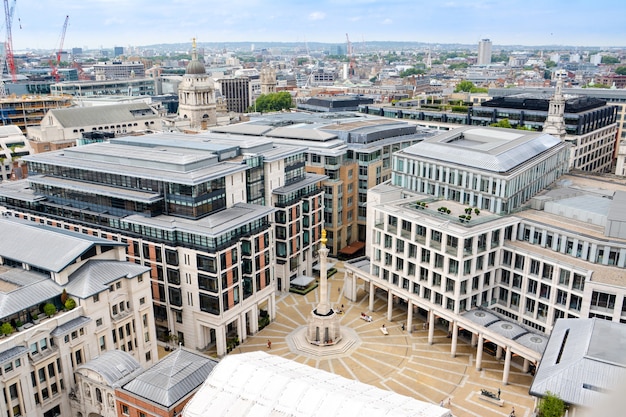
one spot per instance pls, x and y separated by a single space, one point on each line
324 240
193 43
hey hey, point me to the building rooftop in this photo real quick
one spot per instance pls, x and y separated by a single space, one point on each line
95 276
172 378
98 115
116 367
213 225
489 149
44 247
584 362
257 383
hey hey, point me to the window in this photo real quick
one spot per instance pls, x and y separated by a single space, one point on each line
603 300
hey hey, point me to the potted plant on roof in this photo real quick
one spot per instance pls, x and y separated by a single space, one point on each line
6 329
35 318
70 304
50 309
19 325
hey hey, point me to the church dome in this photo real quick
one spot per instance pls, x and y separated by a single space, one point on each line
195 67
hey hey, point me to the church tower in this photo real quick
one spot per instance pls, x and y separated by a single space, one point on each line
555 123
196 95
268 80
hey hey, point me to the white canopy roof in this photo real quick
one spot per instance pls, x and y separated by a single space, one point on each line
263 385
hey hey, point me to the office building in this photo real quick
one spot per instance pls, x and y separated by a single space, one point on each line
118 51
29 110
138 86
236 92
590 123
119 70
502 272
103 304
353 151
484 52
201 212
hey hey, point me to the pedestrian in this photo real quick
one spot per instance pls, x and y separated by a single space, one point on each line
512 412
441 403
269 344
498 393
402 326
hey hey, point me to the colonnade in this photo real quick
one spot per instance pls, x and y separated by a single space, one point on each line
480 334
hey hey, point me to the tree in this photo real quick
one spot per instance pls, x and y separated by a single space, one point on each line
273 102
609 60
550 64
411 71
620 70
465 86
503 123
551 405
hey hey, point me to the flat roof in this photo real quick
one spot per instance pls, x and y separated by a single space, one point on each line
485 148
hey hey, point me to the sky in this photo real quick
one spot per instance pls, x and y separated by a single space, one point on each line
37 24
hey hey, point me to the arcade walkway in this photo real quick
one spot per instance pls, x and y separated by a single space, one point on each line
402 362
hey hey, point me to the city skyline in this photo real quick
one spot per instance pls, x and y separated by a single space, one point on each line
107 23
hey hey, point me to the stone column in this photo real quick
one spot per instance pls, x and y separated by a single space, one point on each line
389 305
323 308
241 331
372 292
220 341
431 326
499 352
474 339
507 366
479 353
254 320
455 336
526 365
409 317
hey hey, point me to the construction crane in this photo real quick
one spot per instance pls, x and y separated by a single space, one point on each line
8 43
55 65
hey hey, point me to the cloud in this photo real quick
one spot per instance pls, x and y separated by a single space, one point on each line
387 21
317 16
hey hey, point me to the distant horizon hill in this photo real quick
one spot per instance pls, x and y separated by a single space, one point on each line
359 47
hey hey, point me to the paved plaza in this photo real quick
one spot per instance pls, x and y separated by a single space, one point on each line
401 362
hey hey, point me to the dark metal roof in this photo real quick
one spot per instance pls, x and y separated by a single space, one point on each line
48 248
115 366
69 326
12 353
172 378
95 276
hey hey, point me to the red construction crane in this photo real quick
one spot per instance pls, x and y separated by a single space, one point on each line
55 65
8 43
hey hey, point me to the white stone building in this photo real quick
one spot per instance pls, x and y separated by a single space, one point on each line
40 265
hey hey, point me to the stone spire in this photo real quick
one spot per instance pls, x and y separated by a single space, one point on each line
555 123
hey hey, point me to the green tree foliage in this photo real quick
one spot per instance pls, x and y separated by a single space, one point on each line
273 102
550 64
411 71
620 70
502 123
465 86
459 65
501 57
609 60
551 406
